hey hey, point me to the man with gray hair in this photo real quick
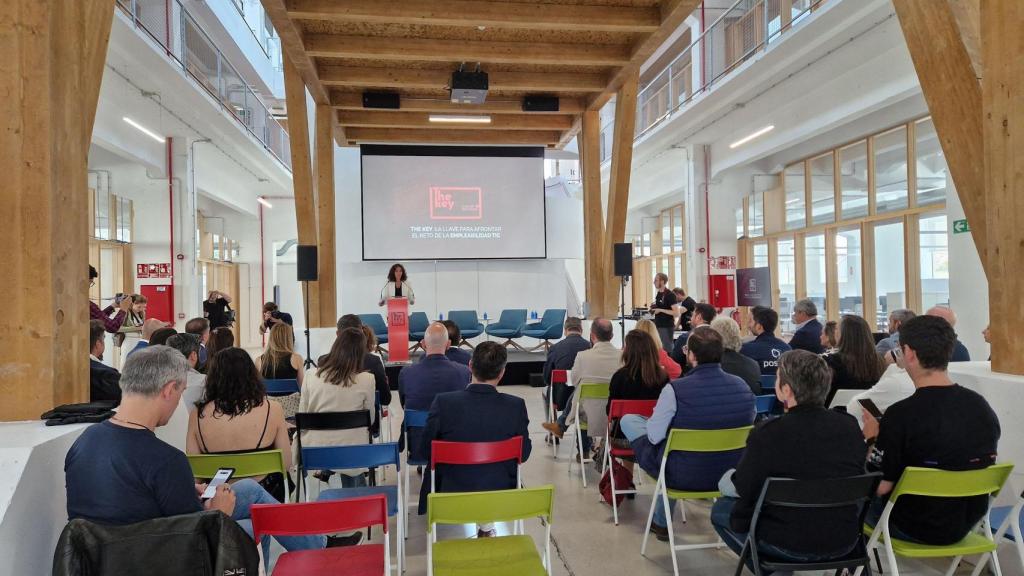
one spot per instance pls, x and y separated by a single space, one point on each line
562 355
188 345
897 318
960 353
807 333
434 374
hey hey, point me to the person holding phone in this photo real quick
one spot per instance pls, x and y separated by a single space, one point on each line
217 308
894 385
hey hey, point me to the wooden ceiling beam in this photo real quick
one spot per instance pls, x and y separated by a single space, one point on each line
481 13
361 77
456 136
293 48
432 50
354 101
405 119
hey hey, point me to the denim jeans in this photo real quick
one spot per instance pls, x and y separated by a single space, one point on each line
565 415
874 514
248 492
634 426
721 512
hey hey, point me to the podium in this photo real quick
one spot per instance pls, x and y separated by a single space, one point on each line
398 329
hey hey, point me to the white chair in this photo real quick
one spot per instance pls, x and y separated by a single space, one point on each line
587 392
842 397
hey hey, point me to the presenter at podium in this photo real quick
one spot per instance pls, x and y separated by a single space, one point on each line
397 286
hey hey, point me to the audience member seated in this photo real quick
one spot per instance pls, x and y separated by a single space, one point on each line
894 385
641 377
686 307
111 325
272 316
765 348
807 333
897 318
987 335
670 366
732 361
160 337
201 328
419 383
477 414
855 364
149 327
188 345
340 384
960 353
942 425
103 380
454 353
279 360
702 315
705 399
562 355
371 362
235 416
808 442
830 337
220 339
118 472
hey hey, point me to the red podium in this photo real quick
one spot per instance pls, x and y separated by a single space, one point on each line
398 329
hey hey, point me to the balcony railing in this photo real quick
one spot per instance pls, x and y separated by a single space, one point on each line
740 32
173 28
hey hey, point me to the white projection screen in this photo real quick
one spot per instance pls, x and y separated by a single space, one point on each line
452 202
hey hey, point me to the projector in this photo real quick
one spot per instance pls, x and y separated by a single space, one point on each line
469 87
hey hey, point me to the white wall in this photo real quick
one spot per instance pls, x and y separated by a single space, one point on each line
968 285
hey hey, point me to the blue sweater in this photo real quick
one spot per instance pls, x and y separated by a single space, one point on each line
765 349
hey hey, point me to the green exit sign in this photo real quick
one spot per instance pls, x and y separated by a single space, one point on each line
961 226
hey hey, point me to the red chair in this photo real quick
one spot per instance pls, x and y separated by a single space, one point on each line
557 377
327 517
470 453
617 410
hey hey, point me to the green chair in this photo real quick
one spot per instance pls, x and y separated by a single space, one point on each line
514 555
246 465
935 483
588 391
680 440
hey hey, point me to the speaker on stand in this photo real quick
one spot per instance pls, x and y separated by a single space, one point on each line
623 260
306 272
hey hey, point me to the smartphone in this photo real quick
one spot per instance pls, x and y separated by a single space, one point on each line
222 476
870 406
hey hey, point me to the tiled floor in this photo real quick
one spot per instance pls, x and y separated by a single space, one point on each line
585 541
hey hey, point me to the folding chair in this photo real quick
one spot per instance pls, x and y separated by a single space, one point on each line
1006 522
837 494
768 381
281 387
935 483
680 440
476 453
412 419
246 465
765 405
350 420
617 410
361 456
326 518
514 555
587 391
557 377
383 413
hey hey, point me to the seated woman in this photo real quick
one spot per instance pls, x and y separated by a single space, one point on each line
220 339
640 378
856 364
280 362
830 337
672 368
339 385
234 415
732 361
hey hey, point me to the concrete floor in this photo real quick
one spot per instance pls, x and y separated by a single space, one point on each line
585 540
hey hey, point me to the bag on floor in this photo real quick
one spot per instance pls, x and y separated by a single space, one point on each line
623 481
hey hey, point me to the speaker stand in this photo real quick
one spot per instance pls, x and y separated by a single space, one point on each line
309 355
622 307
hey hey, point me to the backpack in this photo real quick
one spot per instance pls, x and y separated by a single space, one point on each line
623 481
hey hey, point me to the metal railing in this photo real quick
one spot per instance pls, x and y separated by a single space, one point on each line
740 32
169 24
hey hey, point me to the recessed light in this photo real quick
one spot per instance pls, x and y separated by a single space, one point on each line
144 130
746 139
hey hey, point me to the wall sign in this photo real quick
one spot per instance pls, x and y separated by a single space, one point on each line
158 270
961 226
753 286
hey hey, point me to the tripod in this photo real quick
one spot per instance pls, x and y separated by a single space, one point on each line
309 355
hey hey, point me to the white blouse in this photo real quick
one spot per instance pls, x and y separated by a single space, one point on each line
388 291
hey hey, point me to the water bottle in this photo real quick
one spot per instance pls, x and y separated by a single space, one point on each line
440 317
485 315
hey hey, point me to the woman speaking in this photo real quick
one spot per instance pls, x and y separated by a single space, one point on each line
397 286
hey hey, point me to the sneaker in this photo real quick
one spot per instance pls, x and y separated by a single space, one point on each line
486 533
660 532
554 428
339 541
323 475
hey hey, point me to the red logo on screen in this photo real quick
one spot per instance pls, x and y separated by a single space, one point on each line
453 203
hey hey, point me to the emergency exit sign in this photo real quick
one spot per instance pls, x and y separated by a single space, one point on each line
961 226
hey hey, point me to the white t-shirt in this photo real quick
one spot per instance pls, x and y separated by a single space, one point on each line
894 385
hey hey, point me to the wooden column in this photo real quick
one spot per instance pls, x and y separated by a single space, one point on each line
325 214
618 188
50 79
302 174
1003 101
593 214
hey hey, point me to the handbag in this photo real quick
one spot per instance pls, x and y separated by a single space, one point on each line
623 479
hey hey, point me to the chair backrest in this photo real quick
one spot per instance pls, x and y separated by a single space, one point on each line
469 453
512 318
951 484
487 507
325 517
707 440
620 408
464 319
281 386
767 381
374 321
593 391
415 418
349 457
349 420
418 322
559 376
246 465
764 404
553 317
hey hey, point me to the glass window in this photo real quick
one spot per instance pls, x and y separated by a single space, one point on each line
814 270
677 271
677 229
848 268
666 231
890 273
934 261
796 199
103 213
823 189
853 180
787 282
645 244
931 164
216 247
756 224
891 170
760 255
741 230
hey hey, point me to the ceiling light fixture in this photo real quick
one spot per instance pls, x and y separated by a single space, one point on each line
264 202
144 130
456 118
746 139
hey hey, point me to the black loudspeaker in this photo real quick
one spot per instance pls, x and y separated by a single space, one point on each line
384 100
306 270
536 103
623 258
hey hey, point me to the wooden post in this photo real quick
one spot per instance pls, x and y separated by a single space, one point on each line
618 188
593 215
50 79
325 214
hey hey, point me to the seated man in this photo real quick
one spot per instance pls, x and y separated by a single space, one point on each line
807 333
454 353
942 425
419 383
477 414
809 442
960 353
118 472
705 399
702 315
149 327
562 355
200 327
765 348
188 345
103 379
896 319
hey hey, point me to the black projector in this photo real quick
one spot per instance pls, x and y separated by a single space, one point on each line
469 87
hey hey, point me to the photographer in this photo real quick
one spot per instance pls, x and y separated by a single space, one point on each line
272 316
217 310
111 325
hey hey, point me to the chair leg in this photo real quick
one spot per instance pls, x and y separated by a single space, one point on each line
953 565
610 465
890 556
650 517
579 446
512 343
671 532
743 559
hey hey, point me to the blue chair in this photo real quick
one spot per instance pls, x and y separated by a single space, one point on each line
765 406
281 387
412 419
468 323
418 323
767 381
549 328
360 456
379 327
509 326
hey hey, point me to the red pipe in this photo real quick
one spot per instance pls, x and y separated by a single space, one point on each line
170 213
